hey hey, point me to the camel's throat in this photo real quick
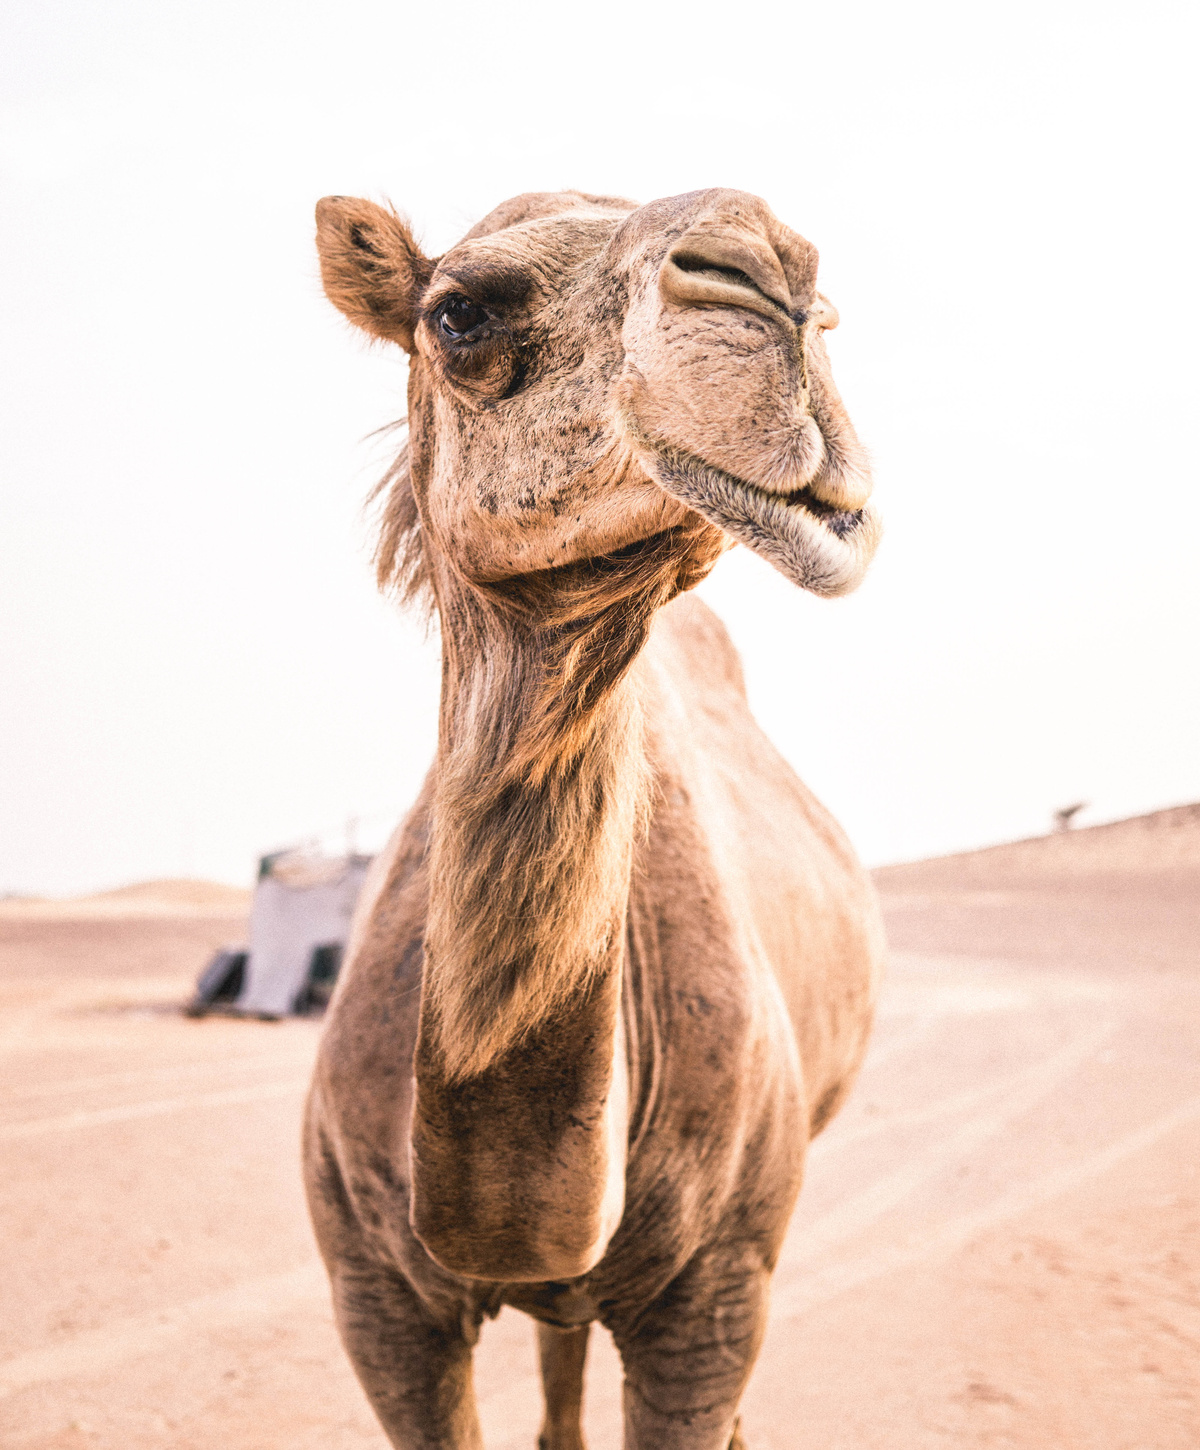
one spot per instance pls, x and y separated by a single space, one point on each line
530 855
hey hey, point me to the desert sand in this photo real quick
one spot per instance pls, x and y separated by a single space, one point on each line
998 1243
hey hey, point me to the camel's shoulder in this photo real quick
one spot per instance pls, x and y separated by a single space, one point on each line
702 726
372 1022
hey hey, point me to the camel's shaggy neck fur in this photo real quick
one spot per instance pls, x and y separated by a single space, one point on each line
540 775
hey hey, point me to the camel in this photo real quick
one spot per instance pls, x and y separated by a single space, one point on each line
617 966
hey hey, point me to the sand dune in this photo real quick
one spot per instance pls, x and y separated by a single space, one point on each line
1161 842
145 899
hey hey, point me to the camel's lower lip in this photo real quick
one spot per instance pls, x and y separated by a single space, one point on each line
818 546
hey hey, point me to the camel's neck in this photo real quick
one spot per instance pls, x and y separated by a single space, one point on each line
538 793
519 1124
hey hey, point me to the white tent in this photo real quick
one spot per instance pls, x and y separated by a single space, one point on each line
299 923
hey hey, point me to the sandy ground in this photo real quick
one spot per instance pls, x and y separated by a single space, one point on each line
998 1243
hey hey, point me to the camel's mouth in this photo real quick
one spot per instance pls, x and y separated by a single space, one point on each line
818 546
838 521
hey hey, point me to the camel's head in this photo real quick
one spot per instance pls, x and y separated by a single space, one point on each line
587 374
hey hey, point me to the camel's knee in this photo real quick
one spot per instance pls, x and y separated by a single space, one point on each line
416 1371
703 1427
563 1353
688 1357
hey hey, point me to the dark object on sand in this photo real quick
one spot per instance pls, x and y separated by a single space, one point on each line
220 982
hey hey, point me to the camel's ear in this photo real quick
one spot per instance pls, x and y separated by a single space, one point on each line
371 268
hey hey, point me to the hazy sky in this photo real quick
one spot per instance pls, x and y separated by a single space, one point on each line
195 666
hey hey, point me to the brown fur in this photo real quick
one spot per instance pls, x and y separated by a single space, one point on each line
401 565
541 784
618 965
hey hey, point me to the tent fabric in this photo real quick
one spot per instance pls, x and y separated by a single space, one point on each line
302 903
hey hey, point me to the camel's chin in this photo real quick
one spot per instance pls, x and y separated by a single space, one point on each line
821 548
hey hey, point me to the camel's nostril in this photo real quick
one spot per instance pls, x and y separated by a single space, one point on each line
704 266
714 270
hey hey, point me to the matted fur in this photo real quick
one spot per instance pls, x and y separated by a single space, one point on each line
541 782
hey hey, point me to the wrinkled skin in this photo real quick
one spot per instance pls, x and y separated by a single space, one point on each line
618 965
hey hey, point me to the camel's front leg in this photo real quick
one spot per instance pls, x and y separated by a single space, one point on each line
562 1353
688 1357
417 1373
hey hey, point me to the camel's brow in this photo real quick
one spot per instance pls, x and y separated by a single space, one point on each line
489 279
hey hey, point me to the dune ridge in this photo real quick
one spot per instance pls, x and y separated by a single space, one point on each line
171 897
1165 842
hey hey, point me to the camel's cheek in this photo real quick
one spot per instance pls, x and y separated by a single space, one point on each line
724 385
543 487
466 498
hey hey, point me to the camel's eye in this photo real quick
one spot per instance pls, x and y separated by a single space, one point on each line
461 316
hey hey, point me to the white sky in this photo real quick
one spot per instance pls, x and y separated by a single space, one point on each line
194 665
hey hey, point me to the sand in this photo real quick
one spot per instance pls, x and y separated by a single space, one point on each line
998 1243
